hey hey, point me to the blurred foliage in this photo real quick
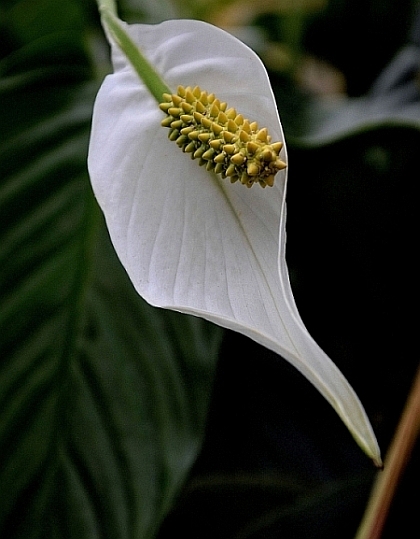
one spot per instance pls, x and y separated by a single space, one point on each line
104 400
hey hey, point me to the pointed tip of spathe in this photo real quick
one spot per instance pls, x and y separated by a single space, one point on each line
374 454
377 462
368 443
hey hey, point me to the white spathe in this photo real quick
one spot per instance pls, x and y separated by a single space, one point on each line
189 240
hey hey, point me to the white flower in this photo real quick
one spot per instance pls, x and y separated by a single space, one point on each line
190 240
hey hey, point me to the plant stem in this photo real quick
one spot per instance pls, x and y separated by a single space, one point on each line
398 455
107 5
115 28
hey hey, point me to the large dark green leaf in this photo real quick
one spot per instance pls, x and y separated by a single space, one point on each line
393 101
102 398
27 20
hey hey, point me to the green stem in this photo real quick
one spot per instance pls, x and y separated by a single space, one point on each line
107 5
398 454
112 24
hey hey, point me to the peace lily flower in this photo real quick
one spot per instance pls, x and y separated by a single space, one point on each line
194 238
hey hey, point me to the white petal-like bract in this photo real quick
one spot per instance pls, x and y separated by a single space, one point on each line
190 240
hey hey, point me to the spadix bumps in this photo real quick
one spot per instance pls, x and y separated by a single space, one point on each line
220 138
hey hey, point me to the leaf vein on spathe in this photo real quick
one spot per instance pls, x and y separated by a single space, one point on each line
177 263
262 270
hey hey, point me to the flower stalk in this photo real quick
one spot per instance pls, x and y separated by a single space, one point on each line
397 457
115 28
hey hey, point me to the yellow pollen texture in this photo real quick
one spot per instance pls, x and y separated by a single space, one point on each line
221 139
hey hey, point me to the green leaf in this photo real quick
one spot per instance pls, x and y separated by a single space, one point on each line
330 124
28 20
393 101
102 397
